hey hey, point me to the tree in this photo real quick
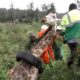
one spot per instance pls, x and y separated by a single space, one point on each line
37 14
11 13
44 9
30 10
3 15
48 8
52 8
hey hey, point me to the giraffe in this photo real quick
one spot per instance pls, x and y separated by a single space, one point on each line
23 71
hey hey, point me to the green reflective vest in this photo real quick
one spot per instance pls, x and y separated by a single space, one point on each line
70 18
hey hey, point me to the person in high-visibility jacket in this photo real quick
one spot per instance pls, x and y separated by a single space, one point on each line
48 52
71 17
70 21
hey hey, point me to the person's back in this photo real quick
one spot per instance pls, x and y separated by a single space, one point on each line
74 17
70 17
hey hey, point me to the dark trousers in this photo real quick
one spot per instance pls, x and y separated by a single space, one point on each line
72 47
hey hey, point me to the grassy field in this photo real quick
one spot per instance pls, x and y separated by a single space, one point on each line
14 38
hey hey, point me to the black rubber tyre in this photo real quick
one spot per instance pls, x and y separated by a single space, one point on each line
30 59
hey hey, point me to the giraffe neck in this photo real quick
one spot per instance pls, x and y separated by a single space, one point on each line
38 49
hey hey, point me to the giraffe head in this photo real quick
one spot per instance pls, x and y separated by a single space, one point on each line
50 18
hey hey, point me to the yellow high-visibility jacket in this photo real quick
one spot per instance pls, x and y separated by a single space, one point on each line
70 18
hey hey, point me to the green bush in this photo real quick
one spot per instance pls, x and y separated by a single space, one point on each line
14 38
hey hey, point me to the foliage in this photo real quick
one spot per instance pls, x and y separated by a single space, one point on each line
14 38
27 15
59 71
